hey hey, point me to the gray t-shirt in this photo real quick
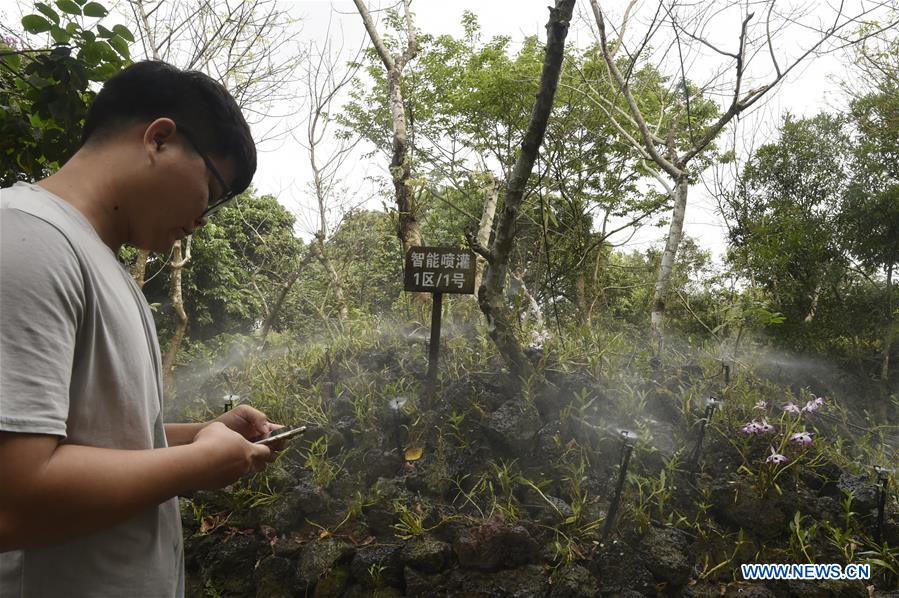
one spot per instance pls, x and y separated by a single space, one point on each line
79 359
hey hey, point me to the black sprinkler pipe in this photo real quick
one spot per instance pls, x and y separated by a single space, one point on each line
711 404
882 479
626 448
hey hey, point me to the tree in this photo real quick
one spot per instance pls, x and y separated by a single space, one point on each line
869 214
490 294
784 231
46 78
678 141
408 229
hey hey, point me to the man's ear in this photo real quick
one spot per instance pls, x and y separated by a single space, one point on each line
157 135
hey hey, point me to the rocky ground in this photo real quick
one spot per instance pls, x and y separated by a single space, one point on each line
489 490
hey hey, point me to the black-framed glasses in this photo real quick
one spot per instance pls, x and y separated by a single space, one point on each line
227 192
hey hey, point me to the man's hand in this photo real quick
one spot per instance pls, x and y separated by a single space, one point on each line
231 455
247 421
251 424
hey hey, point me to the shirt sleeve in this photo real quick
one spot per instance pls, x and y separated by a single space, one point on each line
41 307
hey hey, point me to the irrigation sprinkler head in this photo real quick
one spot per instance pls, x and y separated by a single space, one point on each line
882 472
397 403
713 403
230 401
628 437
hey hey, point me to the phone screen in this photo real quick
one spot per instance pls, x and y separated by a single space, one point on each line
280 434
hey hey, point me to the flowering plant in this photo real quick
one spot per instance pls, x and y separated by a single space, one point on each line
787 448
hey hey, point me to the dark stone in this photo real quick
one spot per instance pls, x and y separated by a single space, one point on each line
282 514
228 564
573 581
664 437
864 493
524 582
547 509
619 570
377 566
275 578
495 545
489 390
550 400
665 552
739 505
514 425
310 498
288 546
320 557
748 589
358 591
333 583
827 589
427 554
422 584
381 464
341 407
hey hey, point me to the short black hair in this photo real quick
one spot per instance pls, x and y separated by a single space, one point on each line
152 89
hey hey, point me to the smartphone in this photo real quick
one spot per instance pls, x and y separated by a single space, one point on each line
280 434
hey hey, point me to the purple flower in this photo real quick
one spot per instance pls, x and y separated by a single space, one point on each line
803 438
757 427
814 404
792 407
761 405
750 428
776 458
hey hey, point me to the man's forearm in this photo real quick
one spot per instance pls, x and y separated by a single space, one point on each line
178 434
82 489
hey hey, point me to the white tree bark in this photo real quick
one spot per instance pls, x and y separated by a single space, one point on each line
485 226
666 266
408 229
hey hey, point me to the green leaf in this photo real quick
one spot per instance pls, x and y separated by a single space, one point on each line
35 24
104 32
13 61
122 31
121 46
49 12
91 53
88 36
67 6
95 9
59 35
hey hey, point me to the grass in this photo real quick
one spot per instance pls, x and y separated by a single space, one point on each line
302 381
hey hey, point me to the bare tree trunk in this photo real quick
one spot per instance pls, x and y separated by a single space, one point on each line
408 229
490 294
282 296
519 287
583 313
485 226
666 266
318 251
139 268
177 264
888 334
813 308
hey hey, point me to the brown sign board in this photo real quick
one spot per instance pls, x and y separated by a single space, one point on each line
439 270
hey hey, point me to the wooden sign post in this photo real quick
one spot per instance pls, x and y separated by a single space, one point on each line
438 270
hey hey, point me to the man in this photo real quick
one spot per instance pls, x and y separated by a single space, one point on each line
89 474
